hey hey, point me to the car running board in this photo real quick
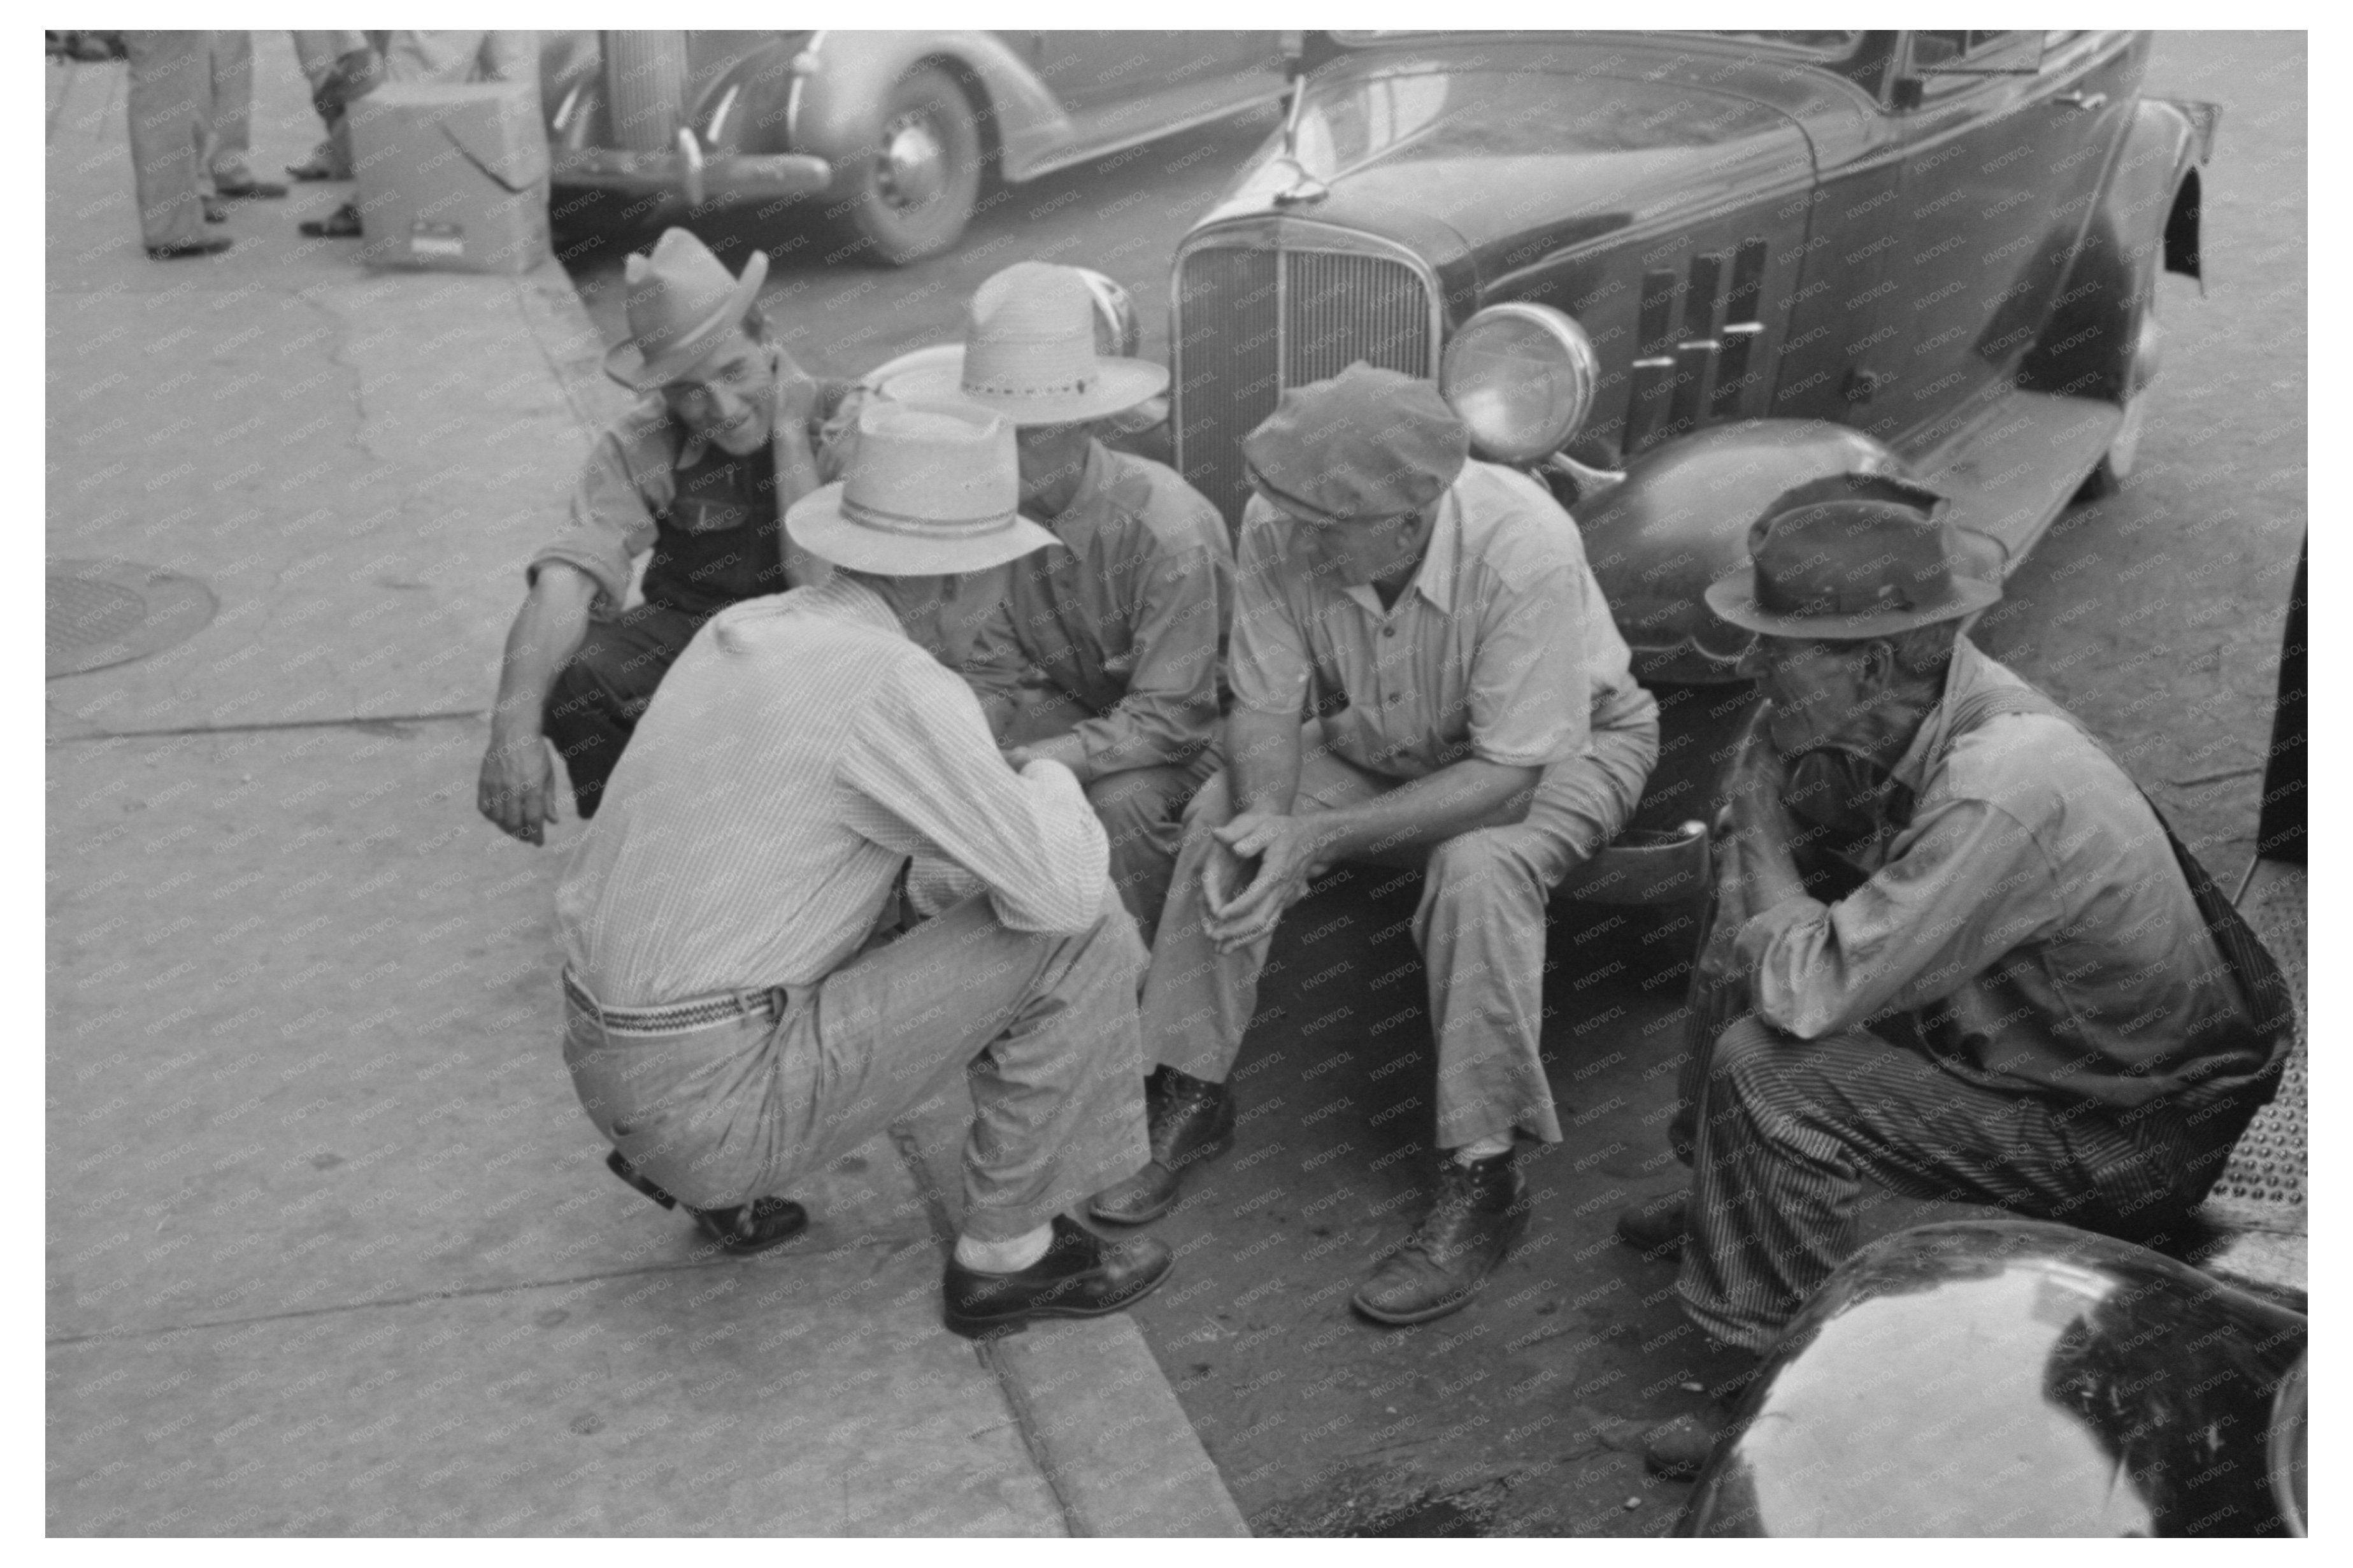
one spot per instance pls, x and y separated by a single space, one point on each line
2000 470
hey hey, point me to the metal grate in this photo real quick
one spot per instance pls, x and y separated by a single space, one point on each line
1254 320
103 613
2268 1165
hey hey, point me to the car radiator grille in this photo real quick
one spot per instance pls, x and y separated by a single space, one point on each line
1250 322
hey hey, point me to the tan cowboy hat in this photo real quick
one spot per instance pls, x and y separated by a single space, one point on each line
681 300
1029 353
932 488
1851 557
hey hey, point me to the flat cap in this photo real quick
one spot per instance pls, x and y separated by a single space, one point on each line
1366 444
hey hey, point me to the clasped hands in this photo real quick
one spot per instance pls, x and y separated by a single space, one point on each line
1290 852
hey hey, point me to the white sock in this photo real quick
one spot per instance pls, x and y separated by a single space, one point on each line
1004 1256
1484 1149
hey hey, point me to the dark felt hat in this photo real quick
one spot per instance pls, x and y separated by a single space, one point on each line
1366 444
1856 556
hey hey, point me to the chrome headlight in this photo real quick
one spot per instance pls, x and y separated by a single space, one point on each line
1117 330
1522 378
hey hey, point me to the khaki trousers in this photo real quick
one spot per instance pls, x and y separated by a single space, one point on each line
1141 809
1481 929
1044 1026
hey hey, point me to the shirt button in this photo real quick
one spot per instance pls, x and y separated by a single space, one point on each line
1388 631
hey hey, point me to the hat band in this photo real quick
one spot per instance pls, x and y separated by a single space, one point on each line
925 527
1080 387
1772 598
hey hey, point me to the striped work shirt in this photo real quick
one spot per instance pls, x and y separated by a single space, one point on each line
799 751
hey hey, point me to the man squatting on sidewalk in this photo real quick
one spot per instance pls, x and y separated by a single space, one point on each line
729 1027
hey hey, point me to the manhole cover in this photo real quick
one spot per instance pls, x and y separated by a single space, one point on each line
103 613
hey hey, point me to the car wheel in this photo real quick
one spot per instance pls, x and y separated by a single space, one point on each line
914 189
2115 465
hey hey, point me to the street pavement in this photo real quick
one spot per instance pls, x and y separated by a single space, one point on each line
330 1248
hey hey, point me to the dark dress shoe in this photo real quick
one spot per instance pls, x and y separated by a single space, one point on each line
1081 1275
1678 1449
314 170
344 223
1654 1227
1190 1120
209 245
740 1231
215 212
1481 1210
250 191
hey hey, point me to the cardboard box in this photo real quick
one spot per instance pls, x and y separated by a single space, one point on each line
451 177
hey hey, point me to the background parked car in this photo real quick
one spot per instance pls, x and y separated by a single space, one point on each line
1678 273
893 134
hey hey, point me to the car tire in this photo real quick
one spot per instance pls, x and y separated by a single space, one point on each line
912 191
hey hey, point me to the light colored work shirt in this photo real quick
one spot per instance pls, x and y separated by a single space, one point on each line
631 480
1500 647
799 752
2032 907
1128 621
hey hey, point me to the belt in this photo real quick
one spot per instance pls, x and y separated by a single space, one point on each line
679 1018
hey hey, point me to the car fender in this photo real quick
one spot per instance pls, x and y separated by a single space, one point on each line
1681 519
1021 120
751 101
2147 217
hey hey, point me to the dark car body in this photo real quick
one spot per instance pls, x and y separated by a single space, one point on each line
675 120
1790 255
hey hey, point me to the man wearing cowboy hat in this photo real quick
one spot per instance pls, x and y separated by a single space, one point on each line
728 433
2004 982
724 1028
1102 655
1424 673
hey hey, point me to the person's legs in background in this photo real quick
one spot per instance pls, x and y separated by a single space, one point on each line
229 167
170 100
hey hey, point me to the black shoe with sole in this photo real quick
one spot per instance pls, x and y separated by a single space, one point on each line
1081 1276
1654 1227
1190 1120
740 1231
1481 1210
209 245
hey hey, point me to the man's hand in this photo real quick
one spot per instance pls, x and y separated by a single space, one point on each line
517 789
1289 853
1762 829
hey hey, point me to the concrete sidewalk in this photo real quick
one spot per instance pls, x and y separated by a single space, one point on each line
330 1248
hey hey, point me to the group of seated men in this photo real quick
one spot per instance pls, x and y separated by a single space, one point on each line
952 744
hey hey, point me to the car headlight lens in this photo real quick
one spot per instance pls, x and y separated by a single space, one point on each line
1522 378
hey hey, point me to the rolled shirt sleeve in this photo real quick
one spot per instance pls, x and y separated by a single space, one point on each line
1963 886
1530 704
1267 662
612 507
922 754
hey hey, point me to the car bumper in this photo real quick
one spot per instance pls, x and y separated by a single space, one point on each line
719 176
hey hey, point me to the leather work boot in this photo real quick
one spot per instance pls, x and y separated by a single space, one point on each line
1480 1211
740 1231
1654 1227
1191 1119
1081 1276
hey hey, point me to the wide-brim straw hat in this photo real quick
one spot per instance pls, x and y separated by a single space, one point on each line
934 489
680 302
1847 558
1029 353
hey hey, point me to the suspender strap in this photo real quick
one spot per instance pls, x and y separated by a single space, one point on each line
2251 964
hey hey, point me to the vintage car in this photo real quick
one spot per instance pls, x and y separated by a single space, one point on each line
2009 1377
888 134
1676 274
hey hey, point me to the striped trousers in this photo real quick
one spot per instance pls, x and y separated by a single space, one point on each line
1788 1131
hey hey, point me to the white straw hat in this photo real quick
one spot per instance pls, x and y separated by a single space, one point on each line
1029 353
932 488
